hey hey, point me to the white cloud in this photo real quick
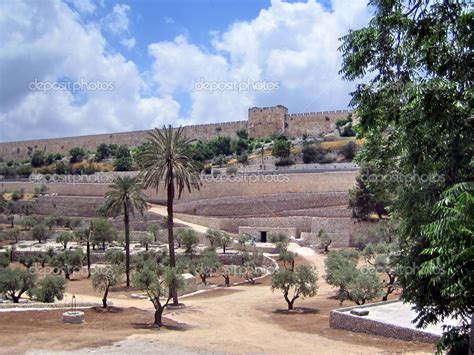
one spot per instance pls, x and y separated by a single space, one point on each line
294 44
84 6
46 41
129 43
117 22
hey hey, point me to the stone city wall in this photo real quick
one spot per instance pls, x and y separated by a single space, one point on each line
313 124
261 122
24 149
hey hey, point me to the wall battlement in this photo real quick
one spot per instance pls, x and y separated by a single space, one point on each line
262 122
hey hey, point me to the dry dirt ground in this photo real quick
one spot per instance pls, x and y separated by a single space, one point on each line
240 319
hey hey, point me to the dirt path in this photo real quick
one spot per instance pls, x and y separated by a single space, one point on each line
246 318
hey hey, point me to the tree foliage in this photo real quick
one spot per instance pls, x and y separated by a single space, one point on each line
415 116
157 281
294 284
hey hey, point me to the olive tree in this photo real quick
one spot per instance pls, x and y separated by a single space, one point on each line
39 232
301 282
207 264
15 282
64 238
67 262
48 289
157 281
353 284
106 277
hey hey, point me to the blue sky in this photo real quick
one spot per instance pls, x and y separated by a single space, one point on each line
155 52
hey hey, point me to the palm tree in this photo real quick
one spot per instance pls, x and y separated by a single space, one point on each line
125 197
168 160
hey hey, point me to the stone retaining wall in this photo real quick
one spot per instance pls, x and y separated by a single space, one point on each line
269 205
342 319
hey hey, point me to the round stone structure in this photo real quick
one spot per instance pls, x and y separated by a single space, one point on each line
76 317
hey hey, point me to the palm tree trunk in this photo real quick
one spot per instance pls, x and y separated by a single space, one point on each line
127 243
169 206
88 250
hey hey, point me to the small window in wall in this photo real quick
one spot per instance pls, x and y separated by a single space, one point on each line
263 236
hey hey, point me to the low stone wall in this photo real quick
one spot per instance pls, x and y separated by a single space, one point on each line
34 305
342 319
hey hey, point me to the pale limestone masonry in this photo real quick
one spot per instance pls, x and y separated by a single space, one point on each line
262 122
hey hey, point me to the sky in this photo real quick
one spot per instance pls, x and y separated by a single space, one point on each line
77 67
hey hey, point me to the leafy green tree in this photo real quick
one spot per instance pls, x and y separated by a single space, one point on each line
354 284
349 150
106 277
40 232
103 152
226 272
365 286
115 257
48 289
311 154
64 238
125 197
68 262
4 260
242 133
448 265
154 229
206 265
281 148
28 222
295 284
240 146
220 146
415 115
49 222
168 160
72 223
37 159
280 240
76 155
145 239
14 233
158 283
123 159
189 240
225 241
85 234
15 282
367 197
325 240
102 231
288 259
